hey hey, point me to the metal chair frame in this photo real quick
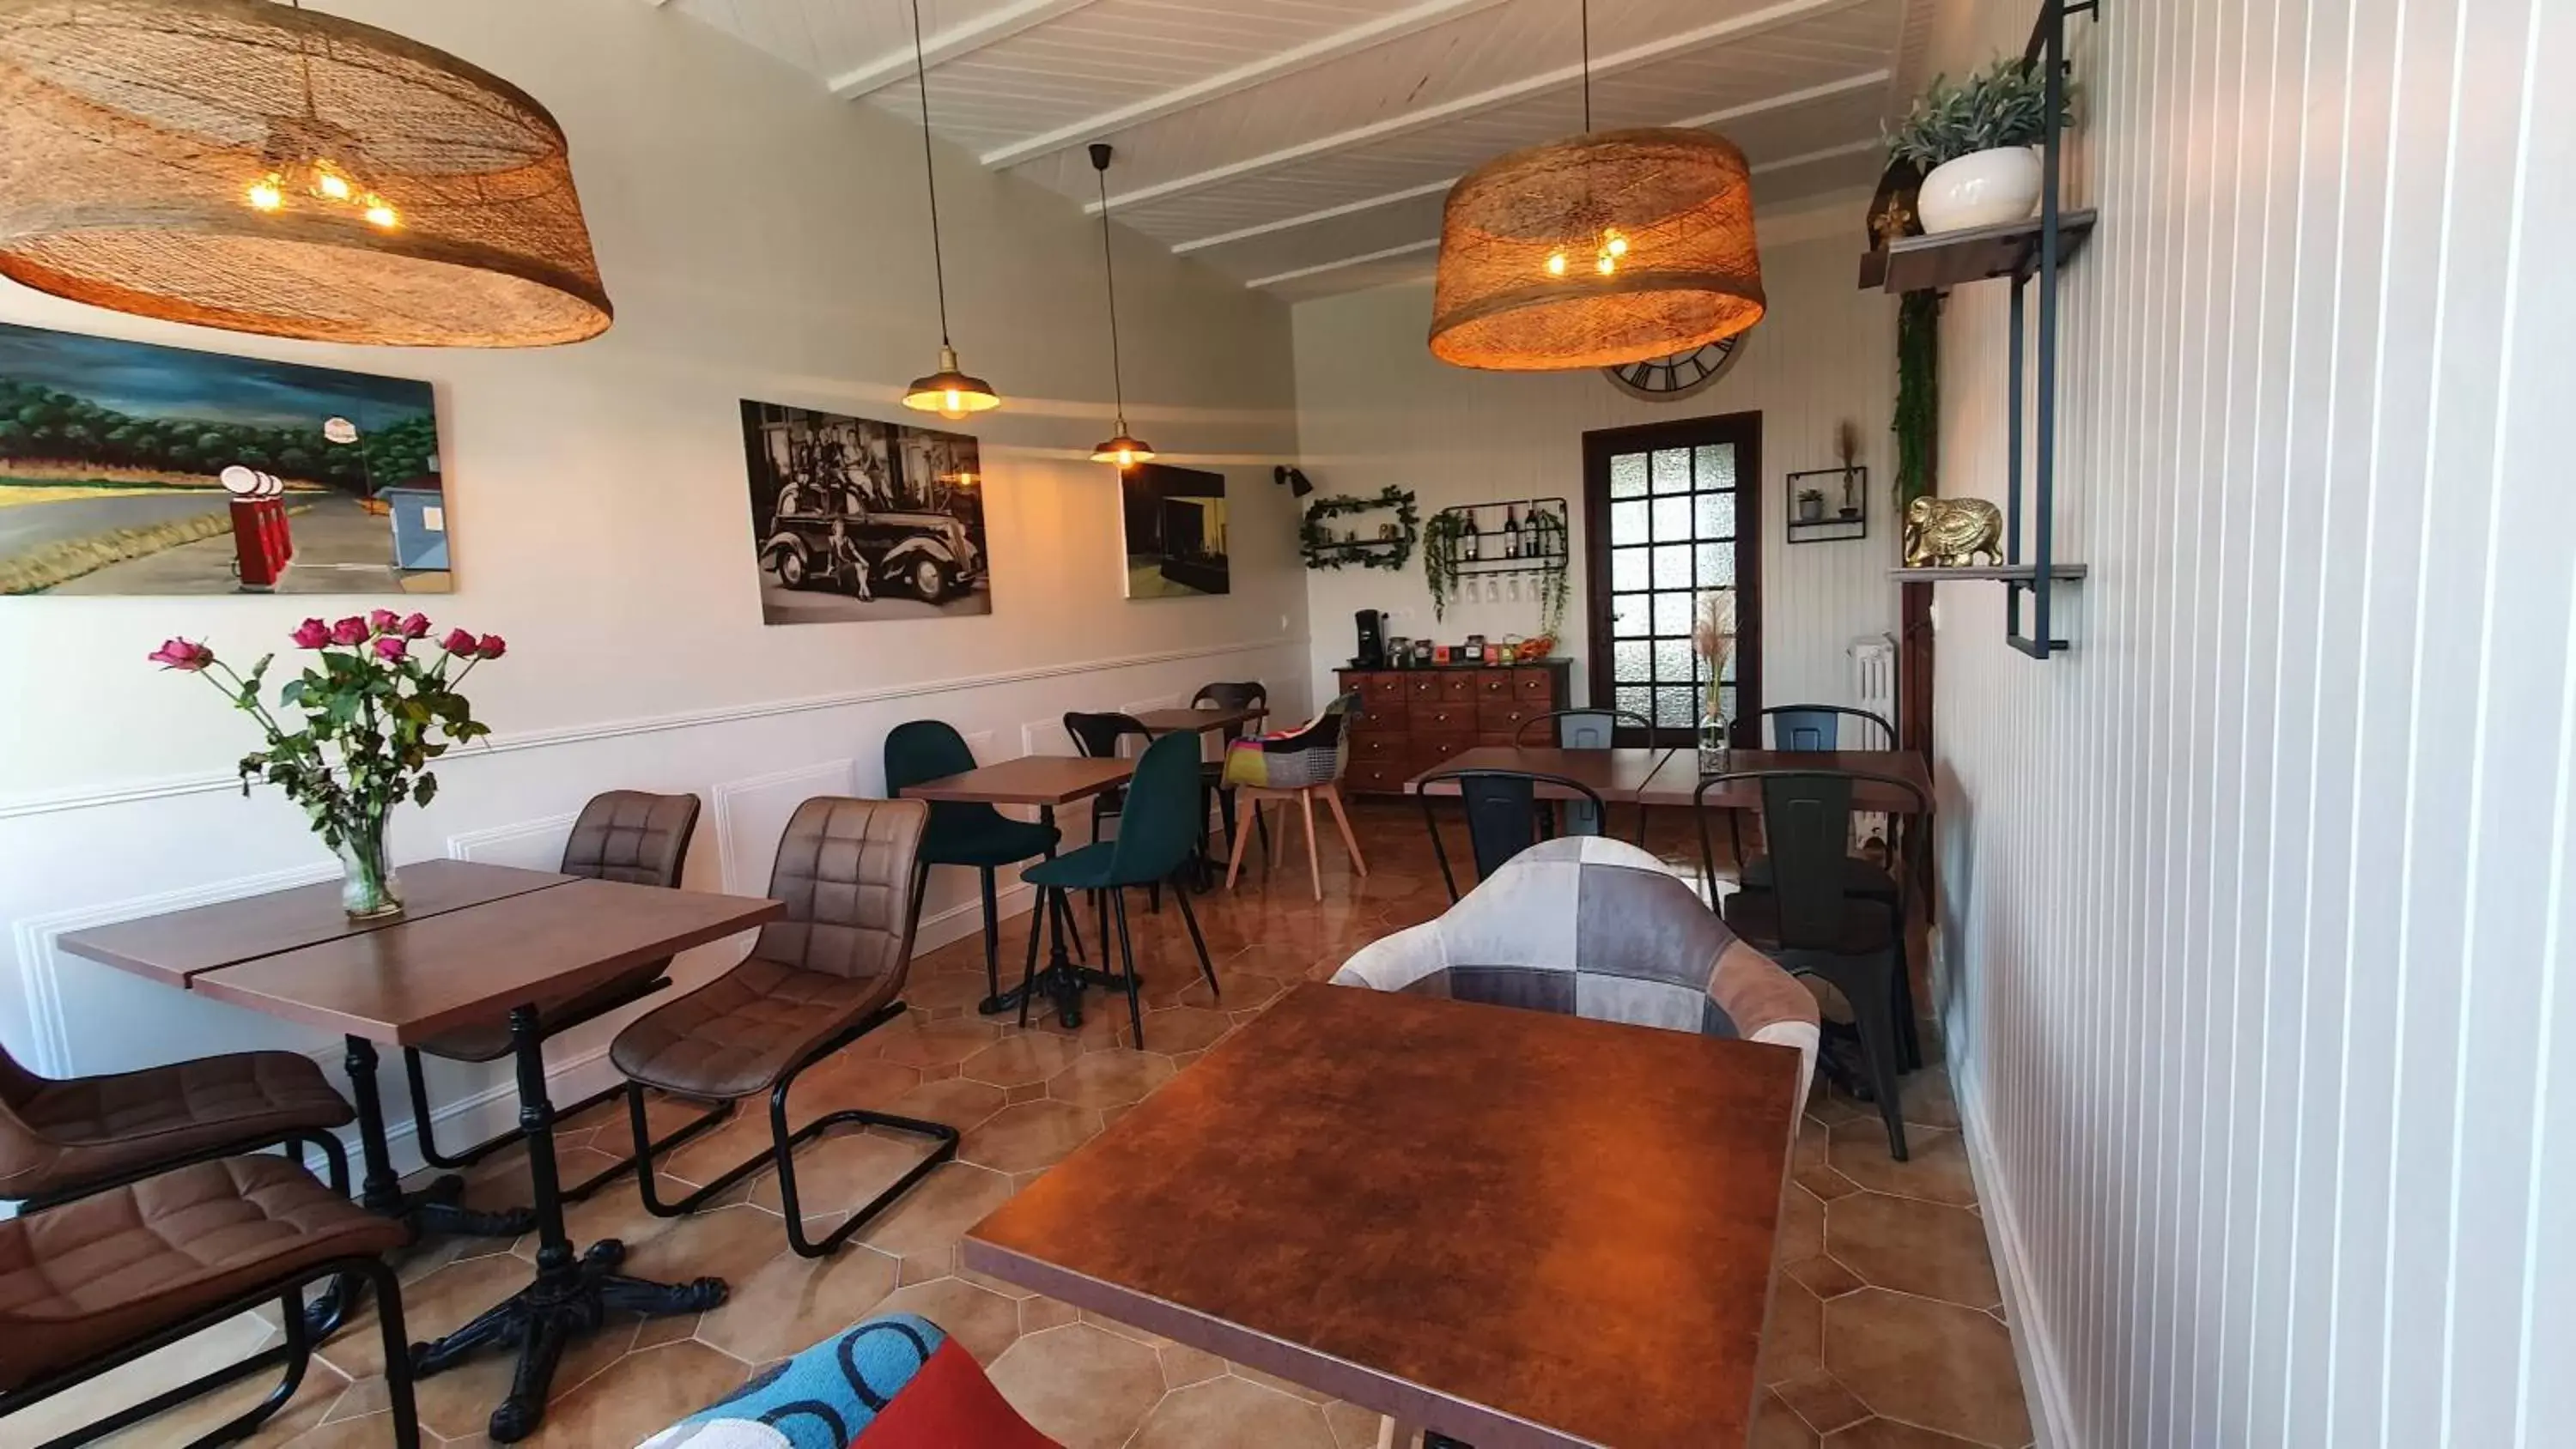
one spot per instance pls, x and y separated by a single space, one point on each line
1887 730
1542 821
1620 718
1233 694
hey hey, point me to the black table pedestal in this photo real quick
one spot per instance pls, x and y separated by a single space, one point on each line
570 1295
1064 977
425 1210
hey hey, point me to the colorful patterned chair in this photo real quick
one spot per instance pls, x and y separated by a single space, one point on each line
893 1382
1595 927
1298 765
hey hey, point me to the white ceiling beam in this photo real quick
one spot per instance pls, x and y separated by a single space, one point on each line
990 28
1803 158
1769 17
1779 102
1323 49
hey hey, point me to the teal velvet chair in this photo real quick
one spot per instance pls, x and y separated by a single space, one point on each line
1156 833
965 833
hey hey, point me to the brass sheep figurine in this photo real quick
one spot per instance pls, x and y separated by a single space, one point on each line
1949 533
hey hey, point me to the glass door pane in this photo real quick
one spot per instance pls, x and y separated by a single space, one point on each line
1667 514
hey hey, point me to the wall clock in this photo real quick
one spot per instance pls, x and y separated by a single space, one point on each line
1669 379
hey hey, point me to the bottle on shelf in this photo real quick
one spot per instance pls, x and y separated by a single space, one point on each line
1468 542
1511 530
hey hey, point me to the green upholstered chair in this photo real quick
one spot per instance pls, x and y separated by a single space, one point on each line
1156 834
963 833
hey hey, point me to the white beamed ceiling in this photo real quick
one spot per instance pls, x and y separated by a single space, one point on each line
1304 145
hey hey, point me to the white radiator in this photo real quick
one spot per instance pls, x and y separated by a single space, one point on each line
1874 678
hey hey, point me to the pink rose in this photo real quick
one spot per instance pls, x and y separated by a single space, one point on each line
382 621
458 641
492 647
312 634
415 626
352 630
390 647
180 654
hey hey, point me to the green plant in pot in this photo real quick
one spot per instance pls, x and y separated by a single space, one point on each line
377 710
1973 141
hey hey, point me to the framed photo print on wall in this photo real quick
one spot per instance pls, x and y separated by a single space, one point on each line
854 520
1173 524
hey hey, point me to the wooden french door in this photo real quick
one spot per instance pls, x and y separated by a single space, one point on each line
1671 513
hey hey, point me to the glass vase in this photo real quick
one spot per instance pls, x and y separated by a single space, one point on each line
369 889
1716 750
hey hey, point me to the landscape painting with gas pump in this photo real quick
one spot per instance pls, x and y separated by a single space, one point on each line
129 468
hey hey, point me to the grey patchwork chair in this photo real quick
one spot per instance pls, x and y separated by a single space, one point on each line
1593 926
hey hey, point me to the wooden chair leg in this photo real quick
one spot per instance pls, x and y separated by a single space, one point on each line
1342 818
1314 867
1234 857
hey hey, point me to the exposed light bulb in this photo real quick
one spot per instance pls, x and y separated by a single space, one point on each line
1607 264
1556 264
1126 457
1615 244
956 405
330 184
381 214
267 193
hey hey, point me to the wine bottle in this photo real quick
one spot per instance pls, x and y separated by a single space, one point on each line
1468 542
1511 530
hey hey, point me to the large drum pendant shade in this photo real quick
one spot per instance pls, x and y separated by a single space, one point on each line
244 165
1590 252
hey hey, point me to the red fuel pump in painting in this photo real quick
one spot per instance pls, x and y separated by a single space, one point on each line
263 545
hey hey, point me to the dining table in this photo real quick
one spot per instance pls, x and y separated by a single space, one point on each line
1677 781
473 943
1159 722
1046 782
1616 775
1518 1229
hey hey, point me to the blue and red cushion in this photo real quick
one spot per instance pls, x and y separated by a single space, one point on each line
893 1382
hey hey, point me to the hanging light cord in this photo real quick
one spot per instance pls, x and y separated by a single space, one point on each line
304 59
929 172
1109 269
1584 11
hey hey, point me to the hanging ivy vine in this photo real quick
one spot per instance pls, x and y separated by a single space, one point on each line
1918 394
1324 551
1548 537
1440 558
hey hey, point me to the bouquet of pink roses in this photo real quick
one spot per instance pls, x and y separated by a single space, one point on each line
378 705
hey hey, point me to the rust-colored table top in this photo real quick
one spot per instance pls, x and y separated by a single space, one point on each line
1200 721
1615 775
179 946
1028 780
1677 781
1517 1228
406 985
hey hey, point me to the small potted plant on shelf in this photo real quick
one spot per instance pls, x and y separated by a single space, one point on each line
1811 505
1974 143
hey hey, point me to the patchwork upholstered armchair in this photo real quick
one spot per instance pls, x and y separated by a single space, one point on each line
1296 767
1595 927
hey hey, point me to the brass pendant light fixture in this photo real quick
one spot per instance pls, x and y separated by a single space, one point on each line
1123 448
254 166
949 392
1599 250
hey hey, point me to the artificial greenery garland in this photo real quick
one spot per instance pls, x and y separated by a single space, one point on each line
1323 551
1918 393
1440 558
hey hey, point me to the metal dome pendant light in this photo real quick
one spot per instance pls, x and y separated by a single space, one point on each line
258 167
1599 250
1123 449
949 392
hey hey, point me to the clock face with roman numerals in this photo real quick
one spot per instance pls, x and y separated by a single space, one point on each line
1665 379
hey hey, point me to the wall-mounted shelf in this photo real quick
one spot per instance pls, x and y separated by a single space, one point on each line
1980 254
1997 573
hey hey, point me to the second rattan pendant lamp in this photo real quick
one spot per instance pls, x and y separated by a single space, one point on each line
1123 449
1610 247
949 392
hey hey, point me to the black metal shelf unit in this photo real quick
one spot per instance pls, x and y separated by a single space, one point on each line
1551 559
2024 253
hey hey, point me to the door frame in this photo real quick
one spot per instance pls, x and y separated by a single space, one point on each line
1744 431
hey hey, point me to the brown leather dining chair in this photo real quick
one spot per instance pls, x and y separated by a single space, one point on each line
627 836
826 975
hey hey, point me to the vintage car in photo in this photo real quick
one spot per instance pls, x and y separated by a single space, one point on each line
927 555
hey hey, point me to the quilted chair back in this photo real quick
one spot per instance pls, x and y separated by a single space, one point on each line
845 871
1596 927
632 837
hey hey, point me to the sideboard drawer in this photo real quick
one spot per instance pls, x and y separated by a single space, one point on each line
1422 684
1458 685
1386 777
1380 746
1454 719
1504 717
1536 686
1493 684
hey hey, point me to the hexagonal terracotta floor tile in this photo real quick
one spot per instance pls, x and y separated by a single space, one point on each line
1935 1364
1085 1387
1923 1248
1793 1342
1019 1058
1935 1169
1802 1225
1111 1078
1889 1434
926 1222
1176 1029
956 1101
792 1302
912 1042
1029 1136
843 1168
985 1321
1808 1165
1776 1426
1232 1413
638 1397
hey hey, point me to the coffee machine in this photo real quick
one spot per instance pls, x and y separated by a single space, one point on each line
1372 653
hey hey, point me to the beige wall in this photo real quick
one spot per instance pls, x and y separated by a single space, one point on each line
761 240
2258 921
1375 408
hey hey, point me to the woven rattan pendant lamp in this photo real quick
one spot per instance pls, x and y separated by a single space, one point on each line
1123 449
254 166
949 392
1607 248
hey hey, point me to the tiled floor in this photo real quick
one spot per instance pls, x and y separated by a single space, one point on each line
1886 1329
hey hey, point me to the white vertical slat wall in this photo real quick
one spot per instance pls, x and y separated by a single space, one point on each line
2258 908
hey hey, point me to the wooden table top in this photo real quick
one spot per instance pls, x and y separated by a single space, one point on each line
1201 721
1678 780
179 946
1517 1228
1615 775
405 986
1028 780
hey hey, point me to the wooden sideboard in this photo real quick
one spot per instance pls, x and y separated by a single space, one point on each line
1412 719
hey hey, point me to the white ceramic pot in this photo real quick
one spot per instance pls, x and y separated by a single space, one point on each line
1982 188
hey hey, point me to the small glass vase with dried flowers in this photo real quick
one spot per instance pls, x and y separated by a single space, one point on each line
378 706
1713 639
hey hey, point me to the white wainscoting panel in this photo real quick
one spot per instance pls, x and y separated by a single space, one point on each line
751 815
530 845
